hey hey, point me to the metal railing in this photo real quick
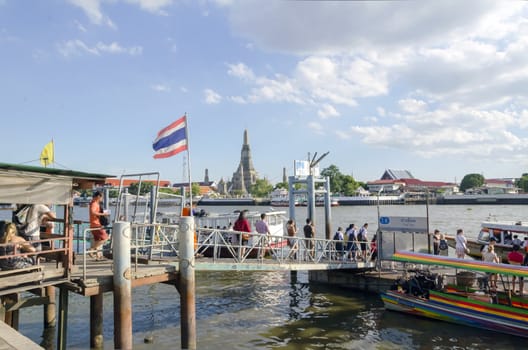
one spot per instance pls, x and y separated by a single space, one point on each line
160 241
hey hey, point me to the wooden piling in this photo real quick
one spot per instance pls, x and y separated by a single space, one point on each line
50 309
122 286
187 283
96 321
63 319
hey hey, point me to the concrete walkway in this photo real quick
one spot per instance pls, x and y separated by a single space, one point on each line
10 339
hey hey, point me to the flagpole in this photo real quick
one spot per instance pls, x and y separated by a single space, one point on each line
189 162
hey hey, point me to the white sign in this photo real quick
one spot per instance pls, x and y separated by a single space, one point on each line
403 224
302 168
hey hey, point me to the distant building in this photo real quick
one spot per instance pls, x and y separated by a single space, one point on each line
402 181
495 186
114 182
245 175
207 187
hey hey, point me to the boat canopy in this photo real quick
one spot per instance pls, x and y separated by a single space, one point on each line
33 185
474 265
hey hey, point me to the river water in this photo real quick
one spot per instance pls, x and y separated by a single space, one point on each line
264 310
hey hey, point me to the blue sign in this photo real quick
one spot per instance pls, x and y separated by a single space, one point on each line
384 220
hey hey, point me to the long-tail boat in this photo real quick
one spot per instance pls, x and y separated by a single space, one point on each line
428 294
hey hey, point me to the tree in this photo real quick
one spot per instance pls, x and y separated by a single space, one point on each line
261 188
282 185
336 178
523 182
145 188
195 189
349 185
471 181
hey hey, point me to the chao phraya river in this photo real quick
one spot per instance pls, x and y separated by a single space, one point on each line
236 310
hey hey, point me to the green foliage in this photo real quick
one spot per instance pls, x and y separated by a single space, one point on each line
523 182
168 190
195 189
340 183
261 188
145 188
282 185
471 181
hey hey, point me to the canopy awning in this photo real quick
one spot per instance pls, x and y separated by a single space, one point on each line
23 184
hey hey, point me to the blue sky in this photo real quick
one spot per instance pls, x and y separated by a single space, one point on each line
438 88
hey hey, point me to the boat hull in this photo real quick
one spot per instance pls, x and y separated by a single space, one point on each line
460 310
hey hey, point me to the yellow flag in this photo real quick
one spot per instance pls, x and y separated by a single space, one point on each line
46 156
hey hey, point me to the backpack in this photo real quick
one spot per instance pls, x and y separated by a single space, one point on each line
336 236
443 245
20 217
360 235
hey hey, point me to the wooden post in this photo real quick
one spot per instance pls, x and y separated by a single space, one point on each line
122 286
96 321
63 319
187 283
11 317
50 309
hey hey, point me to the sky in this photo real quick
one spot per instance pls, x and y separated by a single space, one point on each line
435 87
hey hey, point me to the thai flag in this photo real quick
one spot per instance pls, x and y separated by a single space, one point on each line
171 140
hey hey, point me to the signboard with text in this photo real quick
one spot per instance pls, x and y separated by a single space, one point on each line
403 224
302 168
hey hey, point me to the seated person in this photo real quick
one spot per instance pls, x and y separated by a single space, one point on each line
13 244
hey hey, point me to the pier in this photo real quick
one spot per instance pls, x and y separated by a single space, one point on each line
138 254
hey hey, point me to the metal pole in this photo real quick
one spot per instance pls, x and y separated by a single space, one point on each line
427 218
96 321
311 198
187 283
122 286
328 215
291 196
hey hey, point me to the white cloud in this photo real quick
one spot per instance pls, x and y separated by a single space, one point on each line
412 105
453 131
160 87
316 127
153 6
238 99
78 47
92 9
211 97
240 70
79 26
327 111
381 111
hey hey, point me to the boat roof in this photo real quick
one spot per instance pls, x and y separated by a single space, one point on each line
505 226
466 264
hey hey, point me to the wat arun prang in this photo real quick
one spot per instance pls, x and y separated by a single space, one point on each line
245 175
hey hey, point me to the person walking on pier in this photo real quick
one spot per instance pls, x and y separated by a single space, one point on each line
339 238
309 234
352 243
242 225
293 243
362 237
261 226
99 233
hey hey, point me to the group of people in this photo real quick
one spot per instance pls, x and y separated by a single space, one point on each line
358 247
517 256
261 226
22 235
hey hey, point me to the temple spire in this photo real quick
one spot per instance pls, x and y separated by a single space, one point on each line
246 141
